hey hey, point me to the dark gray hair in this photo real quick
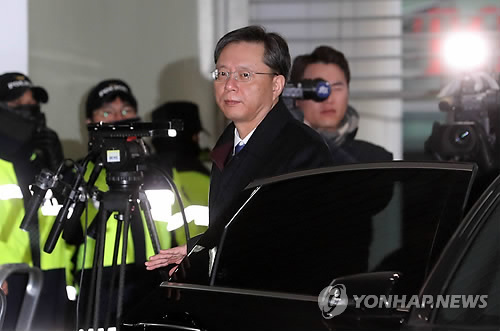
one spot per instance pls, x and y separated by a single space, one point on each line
321 54
276 53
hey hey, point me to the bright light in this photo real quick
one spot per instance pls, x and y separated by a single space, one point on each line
465 50
71 293
196 213
161 203
172 133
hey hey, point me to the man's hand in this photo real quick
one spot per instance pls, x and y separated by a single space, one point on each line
5 287
167 256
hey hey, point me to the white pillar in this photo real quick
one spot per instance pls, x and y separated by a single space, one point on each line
215 19
14 36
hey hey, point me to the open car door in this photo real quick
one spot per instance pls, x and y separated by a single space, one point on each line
295 233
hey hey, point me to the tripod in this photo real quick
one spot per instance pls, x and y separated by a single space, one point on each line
123 196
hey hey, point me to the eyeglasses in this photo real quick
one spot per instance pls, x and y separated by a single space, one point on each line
241 75
105 113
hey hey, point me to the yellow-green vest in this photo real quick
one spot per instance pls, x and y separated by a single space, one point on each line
14 242
111 224
193 188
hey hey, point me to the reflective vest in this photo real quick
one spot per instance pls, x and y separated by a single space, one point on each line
14 242
193 188
111 225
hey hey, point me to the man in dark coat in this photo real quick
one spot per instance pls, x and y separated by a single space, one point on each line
333 118
263 139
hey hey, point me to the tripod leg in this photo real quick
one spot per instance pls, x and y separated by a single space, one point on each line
146 208
99 267
113 273
121 280
91 288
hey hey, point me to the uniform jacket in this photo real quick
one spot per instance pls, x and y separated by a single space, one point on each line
18 246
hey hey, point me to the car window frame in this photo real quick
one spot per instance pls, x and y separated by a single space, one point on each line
455 252
255 185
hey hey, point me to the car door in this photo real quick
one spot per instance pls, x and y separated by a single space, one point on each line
295 233
468 271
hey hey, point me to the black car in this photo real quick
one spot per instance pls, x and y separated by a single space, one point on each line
377 229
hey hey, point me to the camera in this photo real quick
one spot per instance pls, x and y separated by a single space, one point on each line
307 89
119 149
471 131
119 145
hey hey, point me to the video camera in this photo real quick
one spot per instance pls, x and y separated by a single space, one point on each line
307 89
473 123
119 145
119 149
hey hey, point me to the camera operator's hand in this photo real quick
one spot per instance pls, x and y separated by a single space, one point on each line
48 149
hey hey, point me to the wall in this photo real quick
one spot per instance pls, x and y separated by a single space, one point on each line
368 32
151 45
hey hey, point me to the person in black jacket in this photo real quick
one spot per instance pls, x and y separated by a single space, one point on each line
333 118
263 139
27 146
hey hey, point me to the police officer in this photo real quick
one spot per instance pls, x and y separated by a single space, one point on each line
27 146
180 155
111 101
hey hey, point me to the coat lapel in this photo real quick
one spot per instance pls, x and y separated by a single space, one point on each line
230 175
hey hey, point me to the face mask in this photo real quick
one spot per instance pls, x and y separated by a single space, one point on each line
31 112
15 132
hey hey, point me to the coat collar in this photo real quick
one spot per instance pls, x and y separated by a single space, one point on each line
266 132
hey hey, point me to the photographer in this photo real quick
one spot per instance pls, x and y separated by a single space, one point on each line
470 134
333 118
27 146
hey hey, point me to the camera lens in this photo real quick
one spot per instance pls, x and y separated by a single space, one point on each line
462 138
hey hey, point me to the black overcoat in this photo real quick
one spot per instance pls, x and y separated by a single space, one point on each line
280 144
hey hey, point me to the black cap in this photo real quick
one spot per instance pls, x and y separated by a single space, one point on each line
14 84
107 91
184 110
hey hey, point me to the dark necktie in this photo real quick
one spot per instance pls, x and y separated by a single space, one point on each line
239 147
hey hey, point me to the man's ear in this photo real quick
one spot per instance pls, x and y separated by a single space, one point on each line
278 85
88 121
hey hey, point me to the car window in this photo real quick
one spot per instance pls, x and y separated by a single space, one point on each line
297 235
478 275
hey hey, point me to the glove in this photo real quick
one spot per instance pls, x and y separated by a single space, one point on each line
48 149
